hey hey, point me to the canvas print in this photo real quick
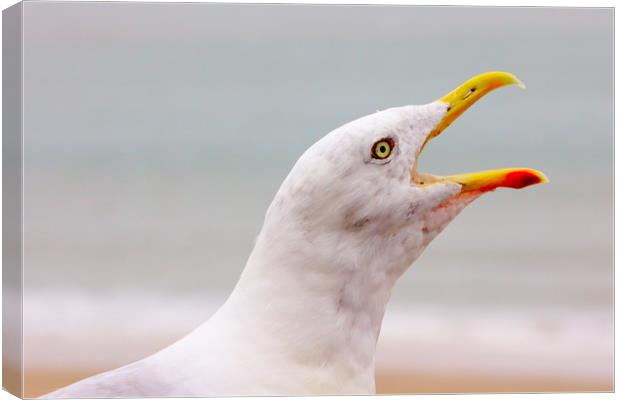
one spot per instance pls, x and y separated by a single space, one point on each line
210 200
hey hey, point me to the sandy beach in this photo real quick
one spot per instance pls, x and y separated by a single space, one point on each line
39 382
420 350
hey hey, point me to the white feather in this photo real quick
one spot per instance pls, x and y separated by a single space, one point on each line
305 316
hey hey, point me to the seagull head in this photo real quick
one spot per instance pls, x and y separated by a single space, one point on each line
349 219
357 192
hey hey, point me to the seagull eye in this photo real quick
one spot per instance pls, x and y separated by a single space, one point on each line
382 149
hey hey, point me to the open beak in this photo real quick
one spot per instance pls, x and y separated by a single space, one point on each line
459 100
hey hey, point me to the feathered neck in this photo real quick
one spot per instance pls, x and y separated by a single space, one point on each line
309 308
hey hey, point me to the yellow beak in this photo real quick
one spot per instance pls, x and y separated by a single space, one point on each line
459 100
484 181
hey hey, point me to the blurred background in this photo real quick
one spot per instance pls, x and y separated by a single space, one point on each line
156 135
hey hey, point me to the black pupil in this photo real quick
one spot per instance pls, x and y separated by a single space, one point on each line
382 149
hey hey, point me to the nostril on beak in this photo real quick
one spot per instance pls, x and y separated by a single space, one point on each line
469 93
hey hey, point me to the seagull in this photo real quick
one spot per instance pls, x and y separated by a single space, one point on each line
350 218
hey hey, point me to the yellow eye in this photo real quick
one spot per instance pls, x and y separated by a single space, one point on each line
382 149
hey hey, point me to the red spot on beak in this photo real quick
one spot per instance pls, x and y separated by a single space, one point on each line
521 179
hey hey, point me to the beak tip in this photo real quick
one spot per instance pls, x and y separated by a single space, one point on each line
511 79
521 178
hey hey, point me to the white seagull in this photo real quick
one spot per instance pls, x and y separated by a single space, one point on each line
349 219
